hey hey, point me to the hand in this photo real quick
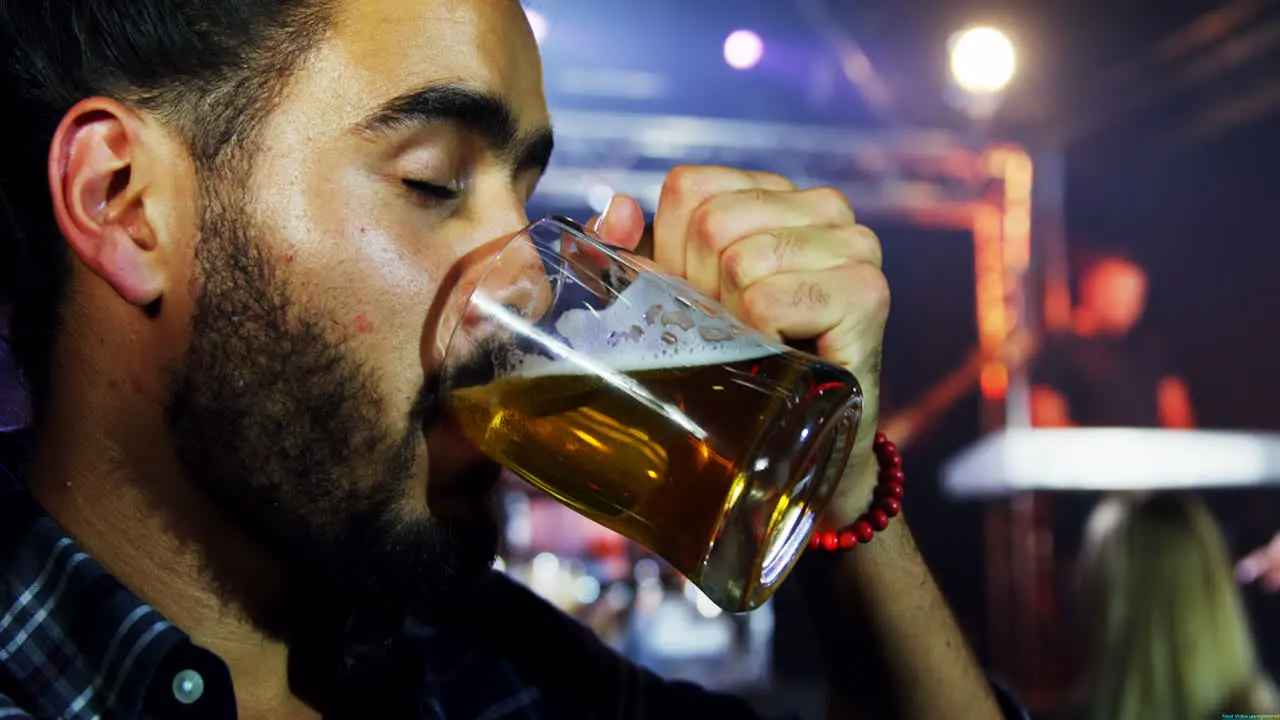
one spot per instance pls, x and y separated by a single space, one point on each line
1262 565
794 264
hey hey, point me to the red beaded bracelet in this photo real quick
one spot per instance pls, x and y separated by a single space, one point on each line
887 503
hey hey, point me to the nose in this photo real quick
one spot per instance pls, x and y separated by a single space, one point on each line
499 219
496 223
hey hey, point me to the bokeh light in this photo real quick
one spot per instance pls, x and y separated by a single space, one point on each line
743 49
982 60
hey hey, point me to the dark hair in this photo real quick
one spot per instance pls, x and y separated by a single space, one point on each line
209 69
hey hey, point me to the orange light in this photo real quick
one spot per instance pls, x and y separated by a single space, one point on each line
994 381
1057 307
990 290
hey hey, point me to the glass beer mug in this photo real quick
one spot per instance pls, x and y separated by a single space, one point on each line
643 405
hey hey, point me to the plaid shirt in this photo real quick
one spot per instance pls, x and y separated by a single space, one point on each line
76 644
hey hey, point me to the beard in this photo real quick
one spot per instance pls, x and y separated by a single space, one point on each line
283 428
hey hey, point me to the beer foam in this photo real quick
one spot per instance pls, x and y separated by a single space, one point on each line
650 327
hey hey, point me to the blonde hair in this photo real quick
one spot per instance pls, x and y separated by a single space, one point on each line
1170 638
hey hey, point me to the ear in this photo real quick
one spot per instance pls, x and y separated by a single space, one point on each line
98 196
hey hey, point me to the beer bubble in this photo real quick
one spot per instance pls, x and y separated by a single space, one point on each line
652 314
638 331
715 333
679 319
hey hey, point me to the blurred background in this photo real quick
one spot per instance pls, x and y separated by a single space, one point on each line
999 148
1003 151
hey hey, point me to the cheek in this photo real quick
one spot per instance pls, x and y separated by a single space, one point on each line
374 284
380 292
363 325
356 254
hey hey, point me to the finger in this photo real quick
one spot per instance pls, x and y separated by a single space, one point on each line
1267 558
1259 562
684 190
1271 580
621 224
844 308
784 250
1249 569
724 219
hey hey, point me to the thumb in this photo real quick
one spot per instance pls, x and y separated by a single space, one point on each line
621 224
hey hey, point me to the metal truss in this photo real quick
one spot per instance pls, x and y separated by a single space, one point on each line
935 177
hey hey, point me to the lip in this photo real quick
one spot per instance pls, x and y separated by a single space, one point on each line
458 468
469 495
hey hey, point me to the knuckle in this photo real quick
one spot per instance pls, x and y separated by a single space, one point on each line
875 288
758 307
706 226
867 244
738 266
775 180
681 181
810 295
683 177
833 202
757 196
785 243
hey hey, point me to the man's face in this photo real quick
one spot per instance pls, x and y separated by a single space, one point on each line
1115 291
302 406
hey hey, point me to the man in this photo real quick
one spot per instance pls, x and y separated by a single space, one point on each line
233 222
1108 372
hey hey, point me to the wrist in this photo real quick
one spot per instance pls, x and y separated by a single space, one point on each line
856 517
848 506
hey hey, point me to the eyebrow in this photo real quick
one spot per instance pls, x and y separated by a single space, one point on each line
485 115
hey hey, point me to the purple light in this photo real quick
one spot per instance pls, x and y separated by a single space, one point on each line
743 49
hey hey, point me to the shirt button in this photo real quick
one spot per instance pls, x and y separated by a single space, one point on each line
188 686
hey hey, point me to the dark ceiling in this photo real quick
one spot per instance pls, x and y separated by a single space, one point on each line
1085 65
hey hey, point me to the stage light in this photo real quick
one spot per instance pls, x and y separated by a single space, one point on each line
982 60
538 22
743 49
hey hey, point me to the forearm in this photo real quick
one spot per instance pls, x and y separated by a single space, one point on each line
892 647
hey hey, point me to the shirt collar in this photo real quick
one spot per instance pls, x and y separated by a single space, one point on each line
74 642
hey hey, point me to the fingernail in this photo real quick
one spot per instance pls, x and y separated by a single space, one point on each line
599 223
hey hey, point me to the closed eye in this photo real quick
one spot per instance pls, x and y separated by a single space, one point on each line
432 190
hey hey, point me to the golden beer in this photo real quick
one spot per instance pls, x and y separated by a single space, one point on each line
673 458
642 404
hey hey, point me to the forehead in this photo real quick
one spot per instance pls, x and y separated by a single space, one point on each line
380 49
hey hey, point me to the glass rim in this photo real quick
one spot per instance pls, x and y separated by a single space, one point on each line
559 222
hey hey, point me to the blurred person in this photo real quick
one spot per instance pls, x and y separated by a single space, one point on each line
1109 371
231 220
1166 628
1262 566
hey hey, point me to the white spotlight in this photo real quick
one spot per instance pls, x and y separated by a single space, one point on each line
982 60
743 49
